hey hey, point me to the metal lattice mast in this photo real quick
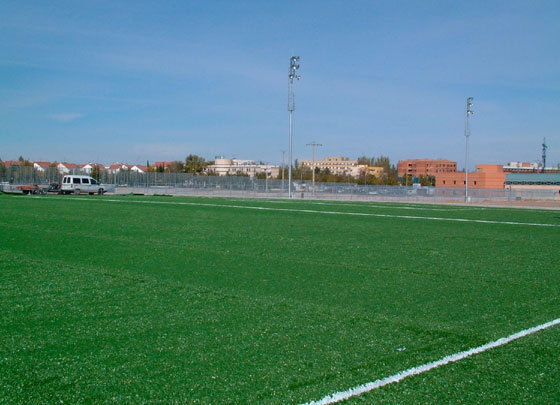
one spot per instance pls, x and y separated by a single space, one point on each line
314 145
544 147
468 113
291 107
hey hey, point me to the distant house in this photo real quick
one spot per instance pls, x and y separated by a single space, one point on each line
164 165
10 163
41 166
88 167
117 167
66 168
139 169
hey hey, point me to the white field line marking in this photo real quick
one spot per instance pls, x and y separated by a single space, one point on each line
364 205
361 389
248 207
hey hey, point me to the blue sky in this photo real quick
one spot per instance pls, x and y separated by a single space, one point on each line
134 81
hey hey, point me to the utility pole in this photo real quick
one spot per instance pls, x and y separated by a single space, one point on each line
314 145
468 113
291 107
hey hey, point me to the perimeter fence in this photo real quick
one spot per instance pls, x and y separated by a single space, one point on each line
128 182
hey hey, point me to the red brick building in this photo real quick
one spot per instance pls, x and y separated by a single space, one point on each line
485 176
425 167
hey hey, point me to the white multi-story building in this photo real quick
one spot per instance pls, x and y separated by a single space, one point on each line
521 167
224 167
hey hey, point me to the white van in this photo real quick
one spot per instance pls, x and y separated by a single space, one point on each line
81 184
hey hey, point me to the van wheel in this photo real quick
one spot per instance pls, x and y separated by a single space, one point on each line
100 191
91 193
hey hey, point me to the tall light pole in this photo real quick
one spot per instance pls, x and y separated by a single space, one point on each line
468 113
291 107
314 144
283 156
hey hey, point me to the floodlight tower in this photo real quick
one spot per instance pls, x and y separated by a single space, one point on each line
314 144
291 107
468 113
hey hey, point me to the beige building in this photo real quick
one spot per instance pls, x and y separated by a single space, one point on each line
376 171
336 165
343 166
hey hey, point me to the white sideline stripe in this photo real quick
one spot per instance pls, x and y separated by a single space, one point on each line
366 204
248 207
361 389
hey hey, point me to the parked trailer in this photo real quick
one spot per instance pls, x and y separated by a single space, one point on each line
53 188
34 189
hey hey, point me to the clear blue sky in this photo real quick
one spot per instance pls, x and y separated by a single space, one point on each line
131 81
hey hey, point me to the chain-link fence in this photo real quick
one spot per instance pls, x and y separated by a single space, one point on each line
127 182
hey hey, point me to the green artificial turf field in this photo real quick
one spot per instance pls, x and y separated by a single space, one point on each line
200 300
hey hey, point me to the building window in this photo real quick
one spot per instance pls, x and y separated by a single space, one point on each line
454 181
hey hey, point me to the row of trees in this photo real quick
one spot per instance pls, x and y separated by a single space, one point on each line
193 164
197 165
389 176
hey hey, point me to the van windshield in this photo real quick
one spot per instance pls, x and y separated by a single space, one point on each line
93 181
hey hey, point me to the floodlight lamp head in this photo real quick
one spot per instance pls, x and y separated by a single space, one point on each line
295 58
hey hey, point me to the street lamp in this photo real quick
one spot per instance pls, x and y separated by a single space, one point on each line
468 113
291 107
